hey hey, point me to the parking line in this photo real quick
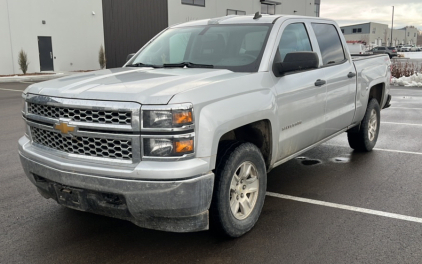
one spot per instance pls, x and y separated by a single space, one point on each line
418 108
347 207
378 149
405 124
11 90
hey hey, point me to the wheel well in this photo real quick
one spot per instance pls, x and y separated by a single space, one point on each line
376 92
258 133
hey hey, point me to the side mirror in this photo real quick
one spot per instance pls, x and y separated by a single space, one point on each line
129 56
296 61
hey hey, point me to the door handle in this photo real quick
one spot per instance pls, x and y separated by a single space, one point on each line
320 82
351 75
51 55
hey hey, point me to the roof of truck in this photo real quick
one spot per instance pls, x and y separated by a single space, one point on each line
246 19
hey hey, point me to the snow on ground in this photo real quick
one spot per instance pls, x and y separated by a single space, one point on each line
414 80
412 55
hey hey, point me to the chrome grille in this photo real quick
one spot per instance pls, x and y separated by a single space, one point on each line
82 145
82 115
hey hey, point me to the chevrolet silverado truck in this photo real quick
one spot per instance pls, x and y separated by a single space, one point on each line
182 137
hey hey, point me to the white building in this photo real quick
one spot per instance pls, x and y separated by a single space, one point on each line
56 35
376 34
61 35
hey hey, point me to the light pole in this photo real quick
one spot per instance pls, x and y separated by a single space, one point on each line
392 25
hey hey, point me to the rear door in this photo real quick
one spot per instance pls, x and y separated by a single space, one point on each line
340 75
300 98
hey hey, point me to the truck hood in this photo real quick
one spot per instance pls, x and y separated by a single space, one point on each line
142 85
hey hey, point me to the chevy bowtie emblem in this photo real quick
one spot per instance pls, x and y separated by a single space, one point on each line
64 128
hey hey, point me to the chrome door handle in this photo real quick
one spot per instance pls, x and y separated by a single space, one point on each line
51 55
351 75
320 82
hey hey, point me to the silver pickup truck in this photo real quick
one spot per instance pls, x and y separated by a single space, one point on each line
184 134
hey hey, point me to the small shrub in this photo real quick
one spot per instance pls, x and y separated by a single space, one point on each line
399 69
23 61
102 58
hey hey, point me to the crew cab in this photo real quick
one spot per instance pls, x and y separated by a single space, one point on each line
187 130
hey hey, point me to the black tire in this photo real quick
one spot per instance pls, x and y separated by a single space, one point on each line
362 140
232 155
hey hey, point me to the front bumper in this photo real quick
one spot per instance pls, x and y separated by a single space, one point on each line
169 205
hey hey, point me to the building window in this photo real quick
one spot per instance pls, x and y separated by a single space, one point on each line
342 31
374 30
357 30
414 35
235 12
194 2
408 34
268 9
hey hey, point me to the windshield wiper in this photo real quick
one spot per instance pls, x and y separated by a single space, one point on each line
188 64
140 64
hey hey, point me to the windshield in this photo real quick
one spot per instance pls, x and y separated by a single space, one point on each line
237 48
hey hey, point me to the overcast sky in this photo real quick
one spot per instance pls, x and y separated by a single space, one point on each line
348 12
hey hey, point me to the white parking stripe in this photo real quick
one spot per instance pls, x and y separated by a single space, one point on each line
405 124
417 108
347 207
378 149
399 151
11 90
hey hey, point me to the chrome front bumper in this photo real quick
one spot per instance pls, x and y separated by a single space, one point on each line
178 205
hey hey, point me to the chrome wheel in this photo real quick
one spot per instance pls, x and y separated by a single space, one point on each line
244 190
372 125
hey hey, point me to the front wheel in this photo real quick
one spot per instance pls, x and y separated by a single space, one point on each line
239 190
366 137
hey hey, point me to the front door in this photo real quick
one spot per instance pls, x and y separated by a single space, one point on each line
45 49
300 96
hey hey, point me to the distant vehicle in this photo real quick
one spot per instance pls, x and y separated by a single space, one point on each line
408 48
356 48
385 50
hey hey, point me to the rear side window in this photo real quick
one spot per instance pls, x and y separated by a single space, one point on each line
329 43
294 38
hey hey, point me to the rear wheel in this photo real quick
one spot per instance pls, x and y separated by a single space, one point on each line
366 137
239 190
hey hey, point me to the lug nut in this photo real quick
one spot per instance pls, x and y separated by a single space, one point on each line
237 197
241 195
244 187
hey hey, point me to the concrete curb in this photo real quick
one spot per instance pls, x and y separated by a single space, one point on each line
33 78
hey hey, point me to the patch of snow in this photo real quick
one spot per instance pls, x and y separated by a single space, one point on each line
412 55
414 80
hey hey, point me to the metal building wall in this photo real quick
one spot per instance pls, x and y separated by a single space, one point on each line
129 24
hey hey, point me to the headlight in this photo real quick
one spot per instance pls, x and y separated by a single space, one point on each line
173 117
168 147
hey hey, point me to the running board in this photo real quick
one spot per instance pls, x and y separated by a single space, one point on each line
308 148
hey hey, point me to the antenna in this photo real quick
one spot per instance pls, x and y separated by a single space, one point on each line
257 15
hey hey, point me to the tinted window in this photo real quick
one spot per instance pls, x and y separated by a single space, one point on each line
329 43
294 38
381 48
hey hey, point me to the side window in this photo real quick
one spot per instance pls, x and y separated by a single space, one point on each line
329 43
294 38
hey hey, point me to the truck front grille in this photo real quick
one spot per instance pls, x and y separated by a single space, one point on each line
82 115
82 145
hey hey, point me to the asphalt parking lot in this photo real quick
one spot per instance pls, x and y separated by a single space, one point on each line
346 208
